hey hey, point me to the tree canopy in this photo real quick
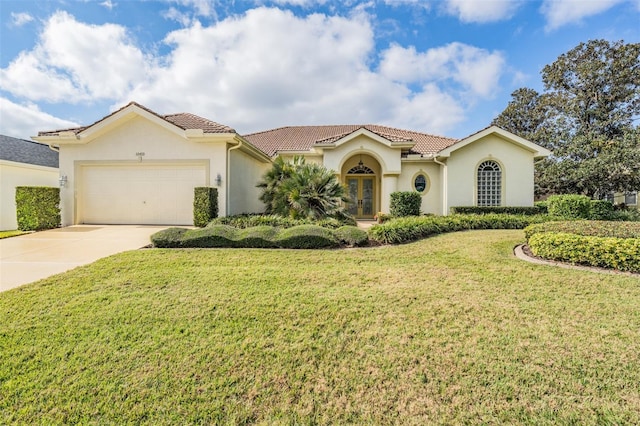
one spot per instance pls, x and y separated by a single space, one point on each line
587 116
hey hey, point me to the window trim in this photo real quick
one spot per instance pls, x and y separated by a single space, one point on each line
427 182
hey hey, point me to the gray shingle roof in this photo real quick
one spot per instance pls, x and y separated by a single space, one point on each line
28 152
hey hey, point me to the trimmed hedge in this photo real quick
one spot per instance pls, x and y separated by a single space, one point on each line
593 228
297 237
251 220
618 253
405 203
37 207
526 210
403 230
569 206
601 210
205 205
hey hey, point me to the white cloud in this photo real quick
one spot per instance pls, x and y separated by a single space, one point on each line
108 4
477 70
19 19
482 11
563 12
75 62
23 121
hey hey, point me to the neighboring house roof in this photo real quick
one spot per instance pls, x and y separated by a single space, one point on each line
28 152
182 120
304 138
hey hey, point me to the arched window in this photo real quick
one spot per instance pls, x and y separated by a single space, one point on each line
489 184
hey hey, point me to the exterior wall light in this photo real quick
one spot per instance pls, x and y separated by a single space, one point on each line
63 181
218 180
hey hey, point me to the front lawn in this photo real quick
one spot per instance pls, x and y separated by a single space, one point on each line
452 329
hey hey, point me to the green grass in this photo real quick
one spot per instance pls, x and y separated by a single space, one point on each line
7 234
448 330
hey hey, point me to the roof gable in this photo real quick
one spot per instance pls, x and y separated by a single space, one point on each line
27 152
183 124
537 150
305 138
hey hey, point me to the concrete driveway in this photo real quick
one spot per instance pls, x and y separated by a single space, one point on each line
31 257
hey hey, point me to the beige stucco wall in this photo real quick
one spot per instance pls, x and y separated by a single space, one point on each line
14 174
517 172
120 145
245 172
432 197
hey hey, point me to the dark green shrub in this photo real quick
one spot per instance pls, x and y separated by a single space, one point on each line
211 237
629 215
601 210
257 237
37 207
306 237
205 205
542 206
618 253
526 210
405 203
251 220
569 206
168 238
352 236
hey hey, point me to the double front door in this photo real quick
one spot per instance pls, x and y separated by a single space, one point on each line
362 194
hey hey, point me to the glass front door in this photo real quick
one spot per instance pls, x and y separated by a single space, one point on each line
362 194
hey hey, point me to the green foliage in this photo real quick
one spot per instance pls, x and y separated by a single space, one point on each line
601 210
587 228
37 207
569 206
217 236
302 191
585 116
543 206
352 236
205 205
406 229
405 203
537 209
306 237
618 253
251 220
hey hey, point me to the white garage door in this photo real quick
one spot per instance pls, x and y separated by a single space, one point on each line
139 194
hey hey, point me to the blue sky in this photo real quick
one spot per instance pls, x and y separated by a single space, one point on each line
440 66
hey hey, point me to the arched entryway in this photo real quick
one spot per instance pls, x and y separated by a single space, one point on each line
361 175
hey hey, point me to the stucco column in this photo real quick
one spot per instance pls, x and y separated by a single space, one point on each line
389 185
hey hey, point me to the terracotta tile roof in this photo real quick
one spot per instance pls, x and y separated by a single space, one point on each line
303 138
183 120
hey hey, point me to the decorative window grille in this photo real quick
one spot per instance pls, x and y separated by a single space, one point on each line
489 184
361 169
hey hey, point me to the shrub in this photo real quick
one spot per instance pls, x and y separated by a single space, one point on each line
405 203
587 228
211 237
251 220
526 210
601 210
37 207
168 238
205 205
257 237
403 230
352 236
542 206
569 206
617 253
306 237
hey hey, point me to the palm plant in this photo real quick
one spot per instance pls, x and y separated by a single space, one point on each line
302 190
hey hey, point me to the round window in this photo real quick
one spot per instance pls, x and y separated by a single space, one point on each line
420 183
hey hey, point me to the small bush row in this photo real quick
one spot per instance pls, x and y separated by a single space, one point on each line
529 210
252 220
264 236
593 228
579 207
618 253
406 229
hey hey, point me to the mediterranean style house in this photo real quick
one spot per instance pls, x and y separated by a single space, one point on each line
136 166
